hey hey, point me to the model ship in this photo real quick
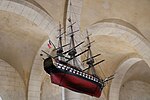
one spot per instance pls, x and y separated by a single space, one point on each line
65 70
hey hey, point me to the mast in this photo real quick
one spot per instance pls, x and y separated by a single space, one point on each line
60 49
60 46
90 59
73 51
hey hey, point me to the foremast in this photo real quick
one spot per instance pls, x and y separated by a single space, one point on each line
60 47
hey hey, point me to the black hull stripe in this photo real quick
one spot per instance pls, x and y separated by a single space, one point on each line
59 70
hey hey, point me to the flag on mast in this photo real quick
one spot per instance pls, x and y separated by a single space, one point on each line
49 44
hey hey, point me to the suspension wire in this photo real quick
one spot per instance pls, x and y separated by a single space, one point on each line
70 9
56 26
60 10
72 12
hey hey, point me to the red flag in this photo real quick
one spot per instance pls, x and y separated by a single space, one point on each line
49 44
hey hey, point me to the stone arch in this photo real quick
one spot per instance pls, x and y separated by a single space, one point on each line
129 74
123 32
12 86
37 74
120 73
44 22
136 84
122 23
30 12
135 90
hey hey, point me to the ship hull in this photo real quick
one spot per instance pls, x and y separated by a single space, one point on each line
66 76
75 84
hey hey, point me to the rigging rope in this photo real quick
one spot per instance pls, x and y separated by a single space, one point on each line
81 36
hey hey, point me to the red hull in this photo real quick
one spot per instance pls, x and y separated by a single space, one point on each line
72 78
76 83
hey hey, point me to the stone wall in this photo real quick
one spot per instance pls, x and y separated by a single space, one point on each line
135 90
11 85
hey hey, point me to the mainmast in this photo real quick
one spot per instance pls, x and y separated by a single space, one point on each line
72 51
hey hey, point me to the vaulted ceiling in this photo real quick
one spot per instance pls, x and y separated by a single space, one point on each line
21 37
